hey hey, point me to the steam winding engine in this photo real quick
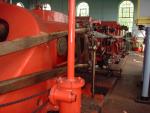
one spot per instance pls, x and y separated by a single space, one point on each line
18 22
33 54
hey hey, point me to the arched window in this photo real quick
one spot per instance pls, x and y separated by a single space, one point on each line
126 12
83 9
46 6
20 4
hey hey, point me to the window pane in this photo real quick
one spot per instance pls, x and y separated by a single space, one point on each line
126 12
120 14
131 14
83 9
20 4
46 6
131 9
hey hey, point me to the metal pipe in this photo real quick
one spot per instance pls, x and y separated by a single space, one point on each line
146 79
71 39
71 83
93 72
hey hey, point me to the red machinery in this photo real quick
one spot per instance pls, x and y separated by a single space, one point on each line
23 23
112 46
16 22
110 42
110 28
105 46
29 65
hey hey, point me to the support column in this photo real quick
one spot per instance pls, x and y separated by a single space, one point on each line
146 77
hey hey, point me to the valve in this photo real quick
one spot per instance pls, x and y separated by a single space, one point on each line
66 94
58 94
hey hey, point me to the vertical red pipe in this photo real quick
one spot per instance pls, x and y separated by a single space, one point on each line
71 39
71 84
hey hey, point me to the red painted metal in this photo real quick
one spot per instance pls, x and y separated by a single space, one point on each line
3 1
74 107
110 42
71 39
70 95
23 23
66 91
71 85
58 94
114 25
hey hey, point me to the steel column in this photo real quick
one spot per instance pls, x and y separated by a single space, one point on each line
146 79
143 63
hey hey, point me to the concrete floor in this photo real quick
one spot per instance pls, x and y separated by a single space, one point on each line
122 98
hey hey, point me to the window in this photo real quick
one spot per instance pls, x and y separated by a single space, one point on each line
20 4
83 9
126 11
46 6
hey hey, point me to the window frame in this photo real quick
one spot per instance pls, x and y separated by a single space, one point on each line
20 4
46 4
126 13
78 9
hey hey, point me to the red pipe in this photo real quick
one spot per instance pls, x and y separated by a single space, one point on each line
71 39
67 92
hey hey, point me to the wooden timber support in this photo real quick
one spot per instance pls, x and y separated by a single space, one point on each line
33 79
32 41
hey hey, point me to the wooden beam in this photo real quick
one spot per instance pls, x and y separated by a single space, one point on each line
33 79
8 47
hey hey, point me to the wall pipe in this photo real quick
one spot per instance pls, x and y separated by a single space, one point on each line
146 77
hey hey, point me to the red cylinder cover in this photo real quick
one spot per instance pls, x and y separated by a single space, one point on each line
24 23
